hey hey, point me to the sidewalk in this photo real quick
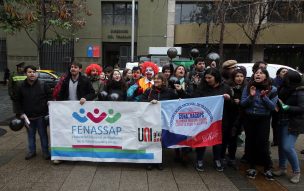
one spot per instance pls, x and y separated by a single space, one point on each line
38 174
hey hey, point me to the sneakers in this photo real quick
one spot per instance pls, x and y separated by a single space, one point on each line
251 173
57 161
218 166
280 172
268 175
29 156
295 178
200 166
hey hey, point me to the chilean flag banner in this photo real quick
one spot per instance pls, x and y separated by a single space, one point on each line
193 122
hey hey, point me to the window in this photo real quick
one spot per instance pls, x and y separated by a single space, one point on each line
117 13
44 76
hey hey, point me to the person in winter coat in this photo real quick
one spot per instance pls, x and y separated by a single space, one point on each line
277 82
211 85
196 75
291 115
237 83
259 99
93 72
158 92
31 98
116 88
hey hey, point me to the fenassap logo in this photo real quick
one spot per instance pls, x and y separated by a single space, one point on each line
84 116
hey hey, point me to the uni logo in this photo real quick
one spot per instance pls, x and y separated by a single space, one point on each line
83 117
147 135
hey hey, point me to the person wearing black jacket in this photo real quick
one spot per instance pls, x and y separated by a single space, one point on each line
115 89
291 95
211 85
159 91
76 86
32 98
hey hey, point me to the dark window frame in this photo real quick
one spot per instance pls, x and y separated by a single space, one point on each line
126 14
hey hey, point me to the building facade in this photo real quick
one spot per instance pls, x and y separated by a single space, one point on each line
161 23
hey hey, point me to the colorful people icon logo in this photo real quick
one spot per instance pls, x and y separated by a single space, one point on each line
113 118
96 119
81 119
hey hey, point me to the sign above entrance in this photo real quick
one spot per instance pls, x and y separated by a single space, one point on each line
117 34
93 51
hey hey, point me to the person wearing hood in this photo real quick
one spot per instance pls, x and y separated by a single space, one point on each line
291 101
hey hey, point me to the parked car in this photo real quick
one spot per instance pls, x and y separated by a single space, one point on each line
49 77
271 68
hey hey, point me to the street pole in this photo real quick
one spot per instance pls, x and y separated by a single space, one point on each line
133 31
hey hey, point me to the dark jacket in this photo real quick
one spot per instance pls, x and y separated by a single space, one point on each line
112 88
158 94
32 99
296 110
84 89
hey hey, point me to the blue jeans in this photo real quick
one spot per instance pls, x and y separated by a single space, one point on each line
40 125
287 149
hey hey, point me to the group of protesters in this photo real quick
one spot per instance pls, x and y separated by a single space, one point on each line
249 105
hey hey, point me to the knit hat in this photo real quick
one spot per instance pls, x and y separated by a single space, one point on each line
229 64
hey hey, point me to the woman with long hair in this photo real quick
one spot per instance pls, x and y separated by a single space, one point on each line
259 99
115 89
158 92
290 126
211 85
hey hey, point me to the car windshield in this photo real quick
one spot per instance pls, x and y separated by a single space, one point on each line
55 73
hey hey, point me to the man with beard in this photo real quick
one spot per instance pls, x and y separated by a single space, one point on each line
76 87
31 98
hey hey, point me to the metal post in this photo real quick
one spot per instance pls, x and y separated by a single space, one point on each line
133 30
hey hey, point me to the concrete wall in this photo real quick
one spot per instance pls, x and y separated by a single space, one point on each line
89 35
152 25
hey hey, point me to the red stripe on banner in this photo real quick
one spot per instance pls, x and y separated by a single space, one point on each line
209 137
97 146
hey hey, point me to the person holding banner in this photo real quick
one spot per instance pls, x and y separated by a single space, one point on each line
259 99
211 85
76 87
116 88
158 92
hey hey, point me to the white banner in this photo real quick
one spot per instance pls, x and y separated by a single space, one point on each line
105 131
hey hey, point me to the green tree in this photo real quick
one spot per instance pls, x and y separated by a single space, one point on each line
44 21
